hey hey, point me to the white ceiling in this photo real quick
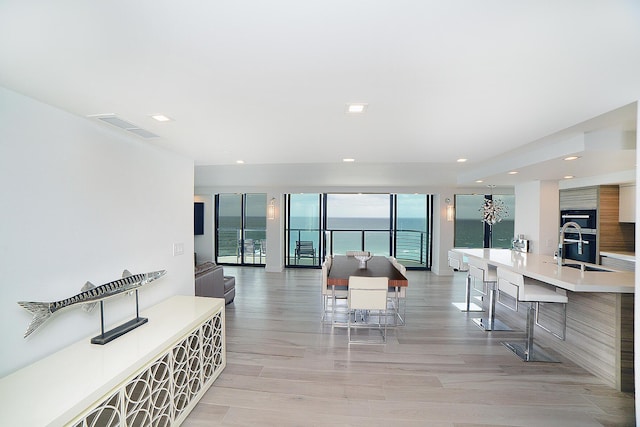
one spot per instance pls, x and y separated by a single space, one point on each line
267 82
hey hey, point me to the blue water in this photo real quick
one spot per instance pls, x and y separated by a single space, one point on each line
411 238
345 234
417 224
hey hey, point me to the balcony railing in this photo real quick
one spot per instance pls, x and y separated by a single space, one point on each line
233 249
411 246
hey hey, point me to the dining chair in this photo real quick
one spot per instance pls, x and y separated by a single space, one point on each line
329 297
367 294
400 297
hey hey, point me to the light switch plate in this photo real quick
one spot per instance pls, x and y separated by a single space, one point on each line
178 249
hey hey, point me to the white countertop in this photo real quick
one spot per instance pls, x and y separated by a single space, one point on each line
545 269
52 390
626 256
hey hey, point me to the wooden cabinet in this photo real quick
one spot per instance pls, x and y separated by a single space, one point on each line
627 203
579 198
618 262
612 235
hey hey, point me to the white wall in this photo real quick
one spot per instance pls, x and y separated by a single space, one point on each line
537 215
636 312
442 235
275 236
82 202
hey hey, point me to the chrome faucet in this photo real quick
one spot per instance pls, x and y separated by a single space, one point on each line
561 241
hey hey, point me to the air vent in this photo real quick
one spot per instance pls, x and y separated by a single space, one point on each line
116 121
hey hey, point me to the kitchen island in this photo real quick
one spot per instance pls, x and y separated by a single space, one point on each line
620 260
599 335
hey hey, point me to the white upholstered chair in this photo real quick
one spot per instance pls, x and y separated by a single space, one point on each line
329 299
366 295
521 289
399 300
484 280
456 261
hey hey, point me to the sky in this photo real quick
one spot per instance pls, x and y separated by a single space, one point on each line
362 205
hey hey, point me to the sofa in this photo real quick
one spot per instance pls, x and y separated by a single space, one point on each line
211 282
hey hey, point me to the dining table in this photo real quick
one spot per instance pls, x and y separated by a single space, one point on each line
343 267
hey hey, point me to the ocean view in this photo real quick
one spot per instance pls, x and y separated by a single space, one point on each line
344 234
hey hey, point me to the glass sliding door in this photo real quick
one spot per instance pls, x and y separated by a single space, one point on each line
502 232
412 226
471 232
255 228
228 228
240 228
303 230
385 224
468 226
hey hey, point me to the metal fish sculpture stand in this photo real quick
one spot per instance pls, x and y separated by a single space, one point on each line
89 297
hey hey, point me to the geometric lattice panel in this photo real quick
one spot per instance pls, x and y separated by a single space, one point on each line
217 329
212 347
106 414
160 393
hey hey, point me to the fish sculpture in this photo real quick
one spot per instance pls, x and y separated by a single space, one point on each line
89 297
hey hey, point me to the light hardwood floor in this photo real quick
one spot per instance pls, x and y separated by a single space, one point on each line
284 368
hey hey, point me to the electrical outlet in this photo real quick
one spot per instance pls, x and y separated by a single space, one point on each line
178 249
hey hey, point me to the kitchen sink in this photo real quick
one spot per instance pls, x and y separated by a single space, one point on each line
586 267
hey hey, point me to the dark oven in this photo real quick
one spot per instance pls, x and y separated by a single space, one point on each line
585 218
588 247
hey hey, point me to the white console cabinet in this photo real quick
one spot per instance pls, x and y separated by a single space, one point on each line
151 376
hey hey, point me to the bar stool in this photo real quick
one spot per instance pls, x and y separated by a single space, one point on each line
457 263
481 271
522 289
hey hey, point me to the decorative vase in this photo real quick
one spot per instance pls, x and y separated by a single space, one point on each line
362 260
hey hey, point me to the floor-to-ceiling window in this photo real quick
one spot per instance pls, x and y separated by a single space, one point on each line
385 224
360 222
303 230
472 232
413 226
502 233
241 226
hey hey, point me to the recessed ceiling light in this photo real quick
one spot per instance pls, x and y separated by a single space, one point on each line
568 177
461 160
513 172
572 158
479 181
240 162
161 118
356 108
348 160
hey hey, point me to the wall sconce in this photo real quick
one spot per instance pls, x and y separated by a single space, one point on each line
450 211
271 209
